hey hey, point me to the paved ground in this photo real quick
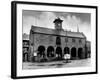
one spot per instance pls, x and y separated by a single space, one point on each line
57 64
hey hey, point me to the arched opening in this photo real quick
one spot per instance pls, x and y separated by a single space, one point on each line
41 51
73 53
58 40
50 51
80 52
59 52
66 50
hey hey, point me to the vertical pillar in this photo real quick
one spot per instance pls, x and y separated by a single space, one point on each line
84 53
55 52
46 53
76 53
70 52
62 52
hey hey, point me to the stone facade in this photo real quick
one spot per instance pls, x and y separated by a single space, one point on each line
51 44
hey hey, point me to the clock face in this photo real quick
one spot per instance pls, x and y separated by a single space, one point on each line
59 24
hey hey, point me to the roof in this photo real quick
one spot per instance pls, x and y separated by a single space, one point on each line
57 32
58 20
75 34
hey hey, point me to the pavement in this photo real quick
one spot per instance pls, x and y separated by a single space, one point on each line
57 64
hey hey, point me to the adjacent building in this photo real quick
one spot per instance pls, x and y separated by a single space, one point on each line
25 48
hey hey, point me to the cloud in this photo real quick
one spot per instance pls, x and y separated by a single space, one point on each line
71 22
45 19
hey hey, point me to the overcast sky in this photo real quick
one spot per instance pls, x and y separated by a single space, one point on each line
70 21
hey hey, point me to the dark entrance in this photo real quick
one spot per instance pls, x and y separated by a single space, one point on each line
80 52
59 53
50 51
66 50
41 51
73 53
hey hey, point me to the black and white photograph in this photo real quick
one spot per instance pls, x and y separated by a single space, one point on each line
54 39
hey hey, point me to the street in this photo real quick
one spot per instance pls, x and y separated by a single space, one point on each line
57 64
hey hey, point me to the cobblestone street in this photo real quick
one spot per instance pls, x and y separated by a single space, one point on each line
57 64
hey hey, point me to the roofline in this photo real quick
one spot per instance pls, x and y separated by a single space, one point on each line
40 27
58 35
32 28
55 29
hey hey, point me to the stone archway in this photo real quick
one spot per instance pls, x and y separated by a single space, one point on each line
50 51
41 51
80 53
73 52
66 50
59 52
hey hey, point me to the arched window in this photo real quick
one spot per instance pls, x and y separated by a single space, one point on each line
80 41
73 40
66 39
58 40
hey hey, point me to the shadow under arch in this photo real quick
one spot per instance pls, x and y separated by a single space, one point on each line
66 50
80 53
50 51
59 52
73 53
41 50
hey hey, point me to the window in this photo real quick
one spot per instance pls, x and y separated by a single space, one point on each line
58 40
31 44
25 50
80 41
24 43
73 40
66 39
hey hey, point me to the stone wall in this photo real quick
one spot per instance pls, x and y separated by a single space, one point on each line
38 39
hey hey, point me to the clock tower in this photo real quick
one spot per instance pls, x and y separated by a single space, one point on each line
58 23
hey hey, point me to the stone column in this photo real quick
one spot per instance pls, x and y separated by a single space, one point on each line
63 52
46 53
76 53
84 53
70 52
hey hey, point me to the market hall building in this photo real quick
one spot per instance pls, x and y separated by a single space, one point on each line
51 44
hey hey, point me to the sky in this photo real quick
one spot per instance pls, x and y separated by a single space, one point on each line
71 21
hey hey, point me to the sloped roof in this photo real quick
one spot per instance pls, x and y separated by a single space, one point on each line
56 32
75 34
